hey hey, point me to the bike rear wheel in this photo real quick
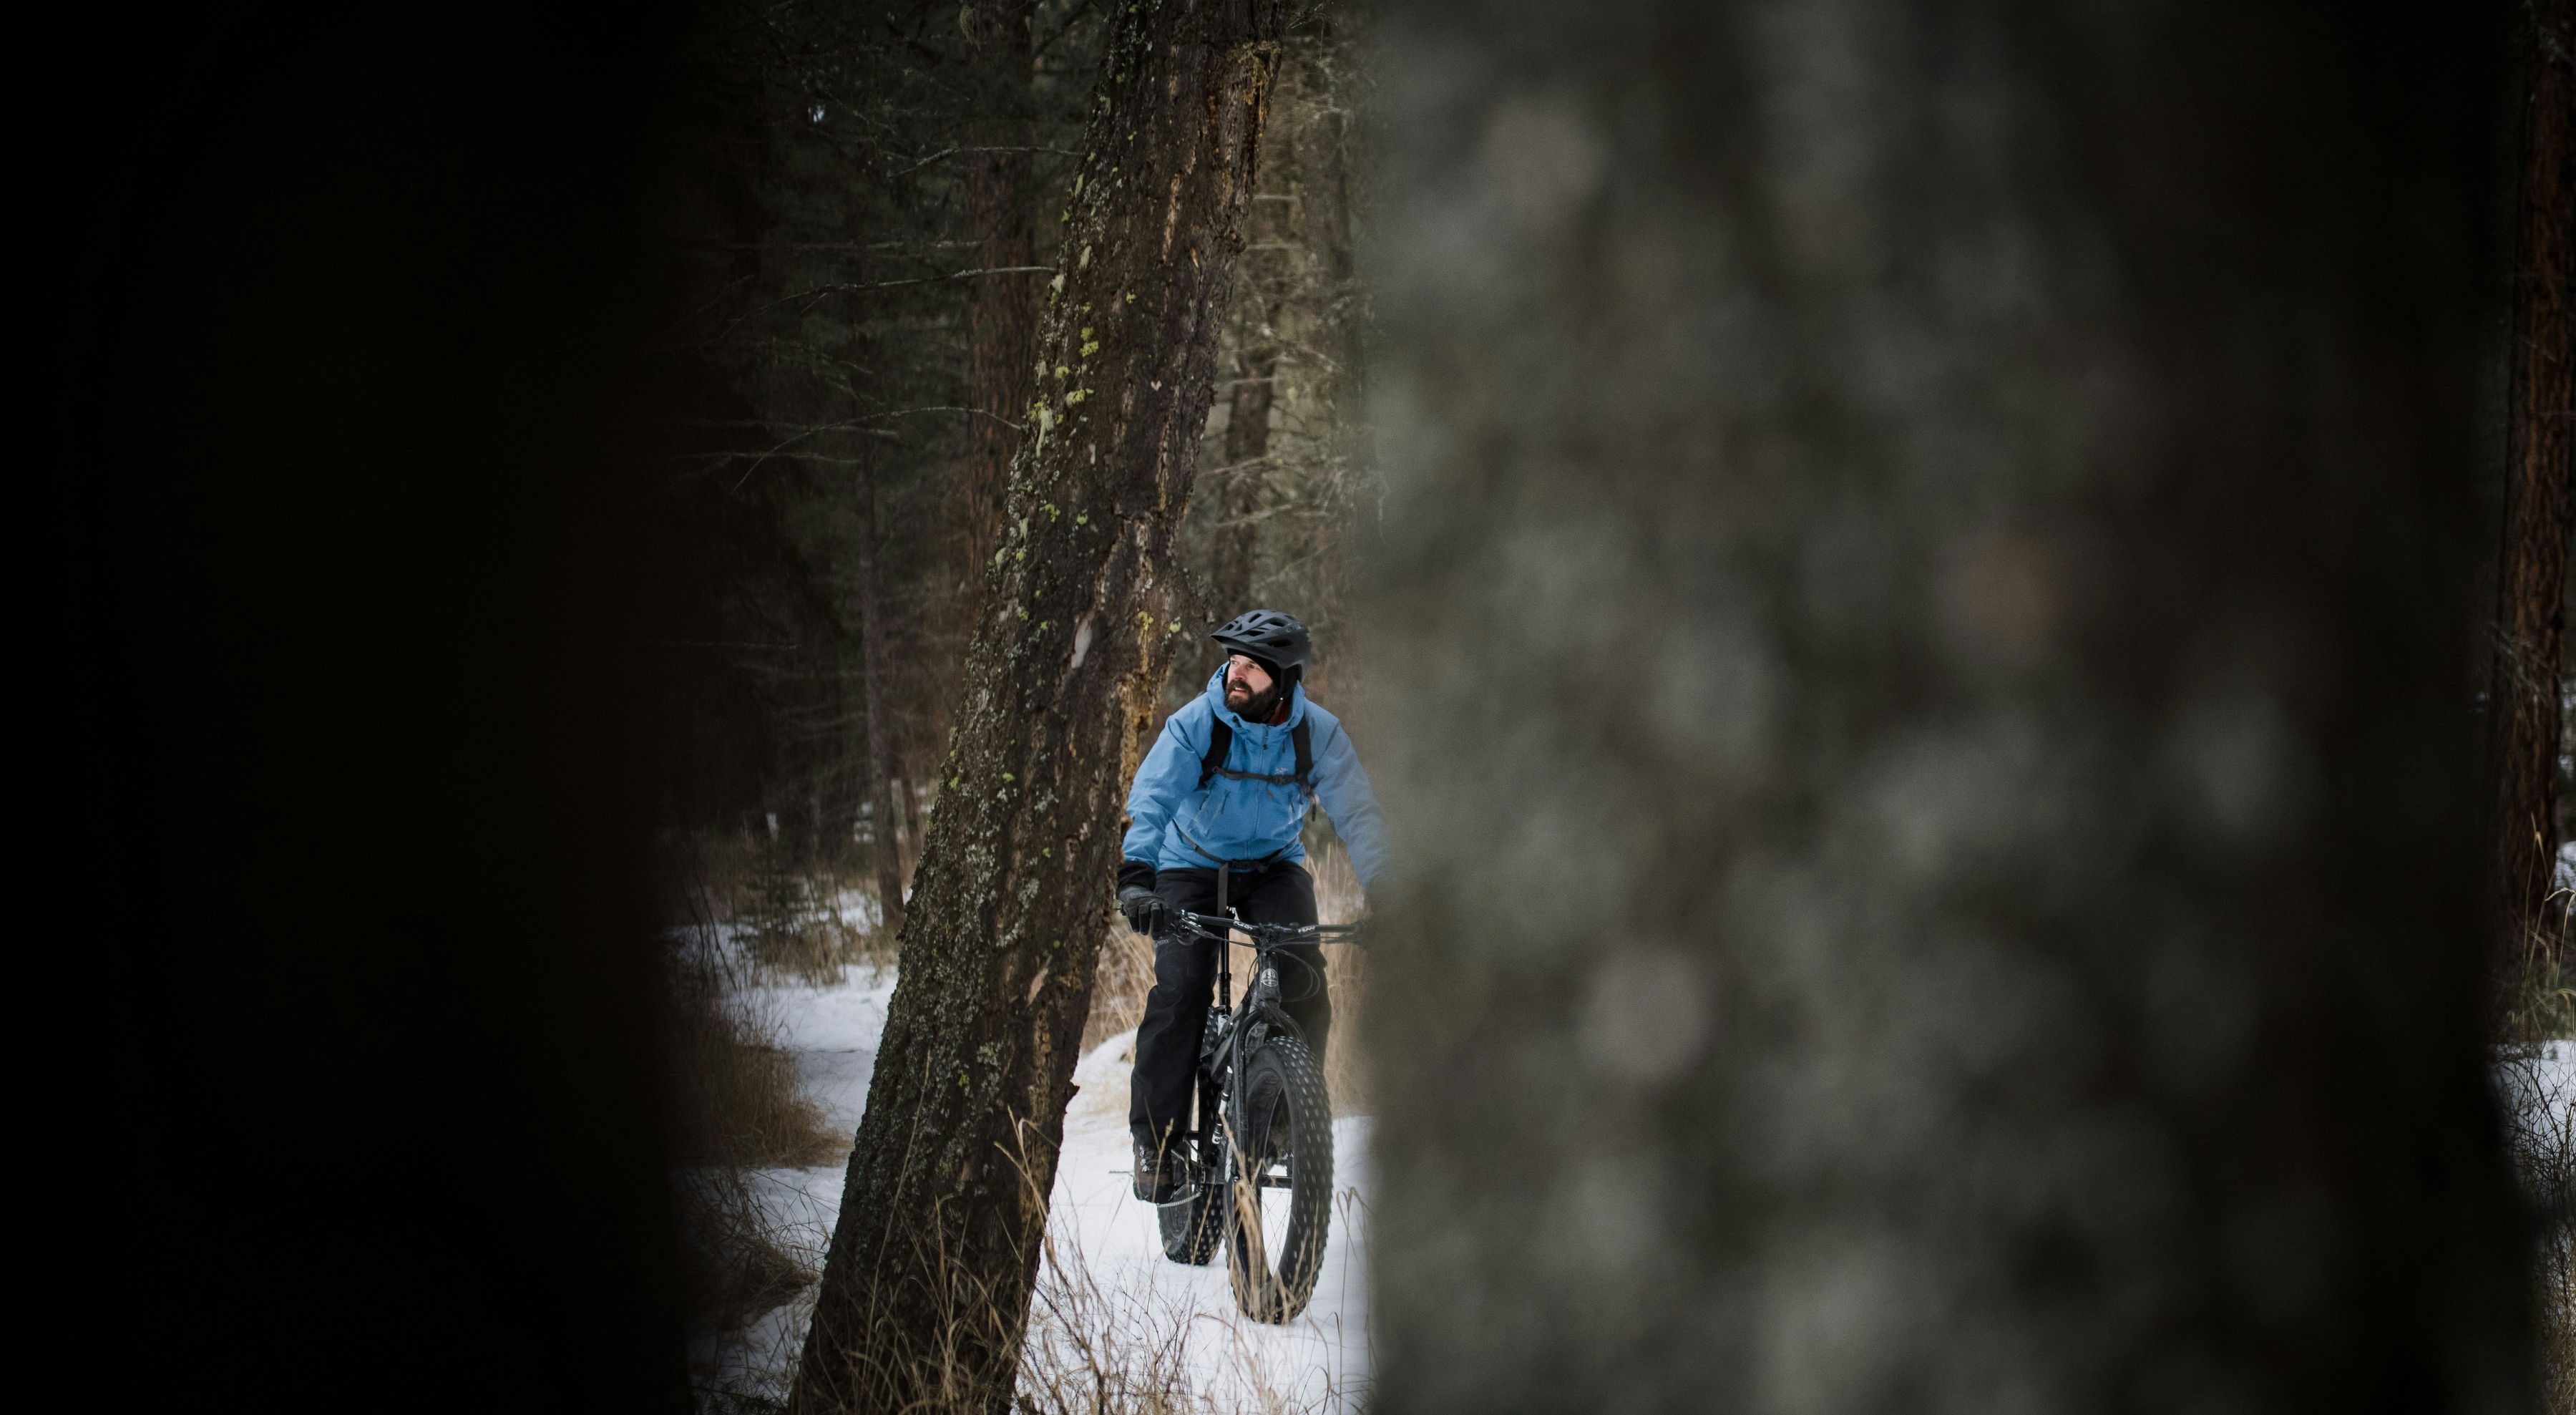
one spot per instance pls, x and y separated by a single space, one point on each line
1193 1224
1282 1190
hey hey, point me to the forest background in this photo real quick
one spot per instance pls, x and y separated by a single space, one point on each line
874 214
415 699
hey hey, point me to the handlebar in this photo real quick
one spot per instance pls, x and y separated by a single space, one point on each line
1212 927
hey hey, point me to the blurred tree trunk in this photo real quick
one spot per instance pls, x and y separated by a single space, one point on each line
1922 548
926 1289
1001 311
885 768
1326 159
2525 717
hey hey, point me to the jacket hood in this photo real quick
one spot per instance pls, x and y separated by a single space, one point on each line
1233 719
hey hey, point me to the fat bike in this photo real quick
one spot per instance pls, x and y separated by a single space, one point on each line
1258 1165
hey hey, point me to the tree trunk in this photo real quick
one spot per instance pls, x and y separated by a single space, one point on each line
2531 574
1247 445
926 1289
885 771
1247 428
1921 550
1001 310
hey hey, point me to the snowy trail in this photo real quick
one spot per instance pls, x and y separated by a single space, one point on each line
1319 1362
832 1032
1107 1283
2540 1088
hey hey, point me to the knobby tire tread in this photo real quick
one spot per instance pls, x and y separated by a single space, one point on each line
1276 1287
1192 1225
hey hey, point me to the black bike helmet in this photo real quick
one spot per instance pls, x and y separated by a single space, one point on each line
1267 637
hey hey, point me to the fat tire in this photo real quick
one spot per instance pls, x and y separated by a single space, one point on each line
1193 1224
1283 1101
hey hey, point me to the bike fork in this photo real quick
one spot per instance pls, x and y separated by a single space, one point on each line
1214 1127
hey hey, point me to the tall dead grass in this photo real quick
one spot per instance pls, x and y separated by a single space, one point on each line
738 1104
2536 1083
1084 1347
790 916
1093 1350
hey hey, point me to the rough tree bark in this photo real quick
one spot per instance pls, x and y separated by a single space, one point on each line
1001 310
1922 550
885 768
926 1288
2525 720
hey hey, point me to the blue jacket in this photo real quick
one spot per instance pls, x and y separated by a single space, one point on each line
1235 819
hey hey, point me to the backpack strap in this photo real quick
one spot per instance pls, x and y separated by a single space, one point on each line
1221 742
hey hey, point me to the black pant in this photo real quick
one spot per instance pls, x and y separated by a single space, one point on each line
1167 1043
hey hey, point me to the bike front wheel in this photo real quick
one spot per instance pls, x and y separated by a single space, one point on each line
1282 1189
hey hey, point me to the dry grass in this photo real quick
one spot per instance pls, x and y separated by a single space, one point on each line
790 917
738 1104
738 1107
1339 901
1126 975
2540 1094
2536 999
2536 1075
1093 1351
737 1096
1084 1347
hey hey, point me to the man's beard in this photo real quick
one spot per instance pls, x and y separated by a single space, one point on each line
1255 707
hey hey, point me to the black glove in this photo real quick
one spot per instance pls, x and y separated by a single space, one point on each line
1142 908
1136 896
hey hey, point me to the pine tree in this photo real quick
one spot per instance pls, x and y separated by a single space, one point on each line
2524 713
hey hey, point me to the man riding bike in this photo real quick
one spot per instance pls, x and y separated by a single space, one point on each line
1226 787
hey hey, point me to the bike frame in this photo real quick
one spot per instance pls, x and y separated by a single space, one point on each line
1240 1033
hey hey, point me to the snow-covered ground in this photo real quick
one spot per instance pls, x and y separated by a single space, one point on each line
833 1033
1109 1271
2539 1088
1107 1296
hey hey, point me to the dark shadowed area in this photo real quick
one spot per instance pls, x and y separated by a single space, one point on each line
363 826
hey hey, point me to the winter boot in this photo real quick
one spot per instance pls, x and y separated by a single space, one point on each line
1160 1175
